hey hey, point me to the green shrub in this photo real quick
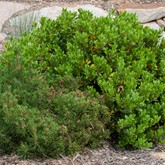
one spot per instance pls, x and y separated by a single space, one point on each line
83 118
28 132
72 122
77 59
33 120
26 84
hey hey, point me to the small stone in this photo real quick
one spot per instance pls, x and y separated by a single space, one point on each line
124 157
133 158
3 36
161 23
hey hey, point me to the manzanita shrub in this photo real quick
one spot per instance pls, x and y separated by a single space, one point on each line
78 80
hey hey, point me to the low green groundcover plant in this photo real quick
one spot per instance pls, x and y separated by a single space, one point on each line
78 80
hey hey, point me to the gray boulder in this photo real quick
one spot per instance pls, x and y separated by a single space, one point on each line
54 12
23 23
161 23
147 15
152 25
7 9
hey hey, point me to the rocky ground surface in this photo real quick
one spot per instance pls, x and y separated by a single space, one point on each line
108 154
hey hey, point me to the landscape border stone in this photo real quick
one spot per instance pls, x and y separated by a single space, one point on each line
147 15
145 12
7 9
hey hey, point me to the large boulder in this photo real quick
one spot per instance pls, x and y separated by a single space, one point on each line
54 12
7 9
23 23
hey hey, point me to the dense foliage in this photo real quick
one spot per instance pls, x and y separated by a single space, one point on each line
78 80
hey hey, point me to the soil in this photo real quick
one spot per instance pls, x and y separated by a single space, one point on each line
108 154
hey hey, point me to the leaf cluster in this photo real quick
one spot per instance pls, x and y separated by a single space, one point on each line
77 80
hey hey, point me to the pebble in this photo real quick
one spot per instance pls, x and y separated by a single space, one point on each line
125 157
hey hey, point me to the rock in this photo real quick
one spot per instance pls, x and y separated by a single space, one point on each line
50 12
7 9
147 15
124 157
98 12
53 13
3 36
161 23
152 25
23 23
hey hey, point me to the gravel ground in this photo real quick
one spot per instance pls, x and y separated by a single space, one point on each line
108 154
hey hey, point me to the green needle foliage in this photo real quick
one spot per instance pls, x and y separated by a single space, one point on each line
78 80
